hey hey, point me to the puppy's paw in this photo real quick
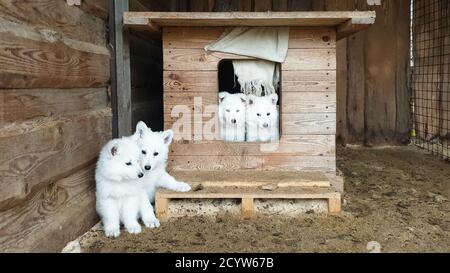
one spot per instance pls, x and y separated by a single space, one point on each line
151 222
134 228
183 187
112 232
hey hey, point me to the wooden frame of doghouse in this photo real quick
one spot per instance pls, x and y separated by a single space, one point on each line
307 105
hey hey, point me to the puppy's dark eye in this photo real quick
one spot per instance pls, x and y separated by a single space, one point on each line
237 111
156 154
128 164
228 110
268 114
144 152
258 114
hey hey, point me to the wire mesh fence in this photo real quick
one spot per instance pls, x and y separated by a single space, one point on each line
430 75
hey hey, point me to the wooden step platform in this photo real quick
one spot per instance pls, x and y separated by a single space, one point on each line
250 185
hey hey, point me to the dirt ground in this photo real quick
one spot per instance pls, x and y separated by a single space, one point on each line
398 197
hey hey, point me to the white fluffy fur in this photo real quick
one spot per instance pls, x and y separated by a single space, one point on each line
232 116
262 118
119 194
154 153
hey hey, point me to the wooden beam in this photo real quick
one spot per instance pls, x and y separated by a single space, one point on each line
247 208
353 26
316 19
120 70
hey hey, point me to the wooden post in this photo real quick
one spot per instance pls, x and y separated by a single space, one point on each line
334 205
247 208
162 208
120 70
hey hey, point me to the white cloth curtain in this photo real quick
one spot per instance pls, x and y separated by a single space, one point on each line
268 44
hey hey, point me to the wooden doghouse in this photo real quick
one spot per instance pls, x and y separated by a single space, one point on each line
303 165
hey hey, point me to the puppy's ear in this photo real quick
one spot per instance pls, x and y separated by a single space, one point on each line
251 100
114 150
222 96
243 98
274 99
141 129
167 136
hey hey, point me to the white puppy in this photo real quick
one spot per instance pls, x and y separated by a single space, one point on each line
154 153
232 116
262 118
119 194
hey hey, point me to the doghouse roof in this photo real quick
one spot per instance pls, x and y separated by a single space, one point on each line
345 22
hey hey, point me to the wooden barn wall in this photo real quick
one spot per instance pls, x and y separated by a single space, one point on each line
372 81
55 116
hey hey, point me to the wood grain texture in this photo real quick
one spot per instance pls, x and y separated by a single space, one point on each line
300 37
56 16
310 59
97 8
195 59
309 124
190 37
305 19
372 87
306 81
51 216
22 104
190 81
304 145
52 148
269 162
245 179
308 102
33 58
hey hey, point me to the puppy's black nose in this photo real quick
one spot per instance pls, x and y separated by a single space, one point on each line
233 121
140 175
265 125
148 167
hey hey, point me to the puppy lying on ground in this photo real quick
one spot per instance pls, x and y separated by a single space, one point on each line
120 197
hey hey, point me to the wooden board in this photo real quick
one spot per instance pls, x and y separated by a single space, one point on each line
72 22
307 81
291 124
51 148
33 58
267 162
190 37
304 145
199 37
191 81
310 59
308 102
247 195
328 19
97 8
296 59
23 104
308 123
245 179
195 59
51 216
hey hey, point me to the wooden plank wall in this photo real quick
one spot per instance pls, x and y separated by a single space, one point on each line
307 121
54 118
372 70
373 95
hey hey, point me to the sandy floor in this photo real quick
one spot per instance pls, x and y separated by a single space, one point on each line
398 197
